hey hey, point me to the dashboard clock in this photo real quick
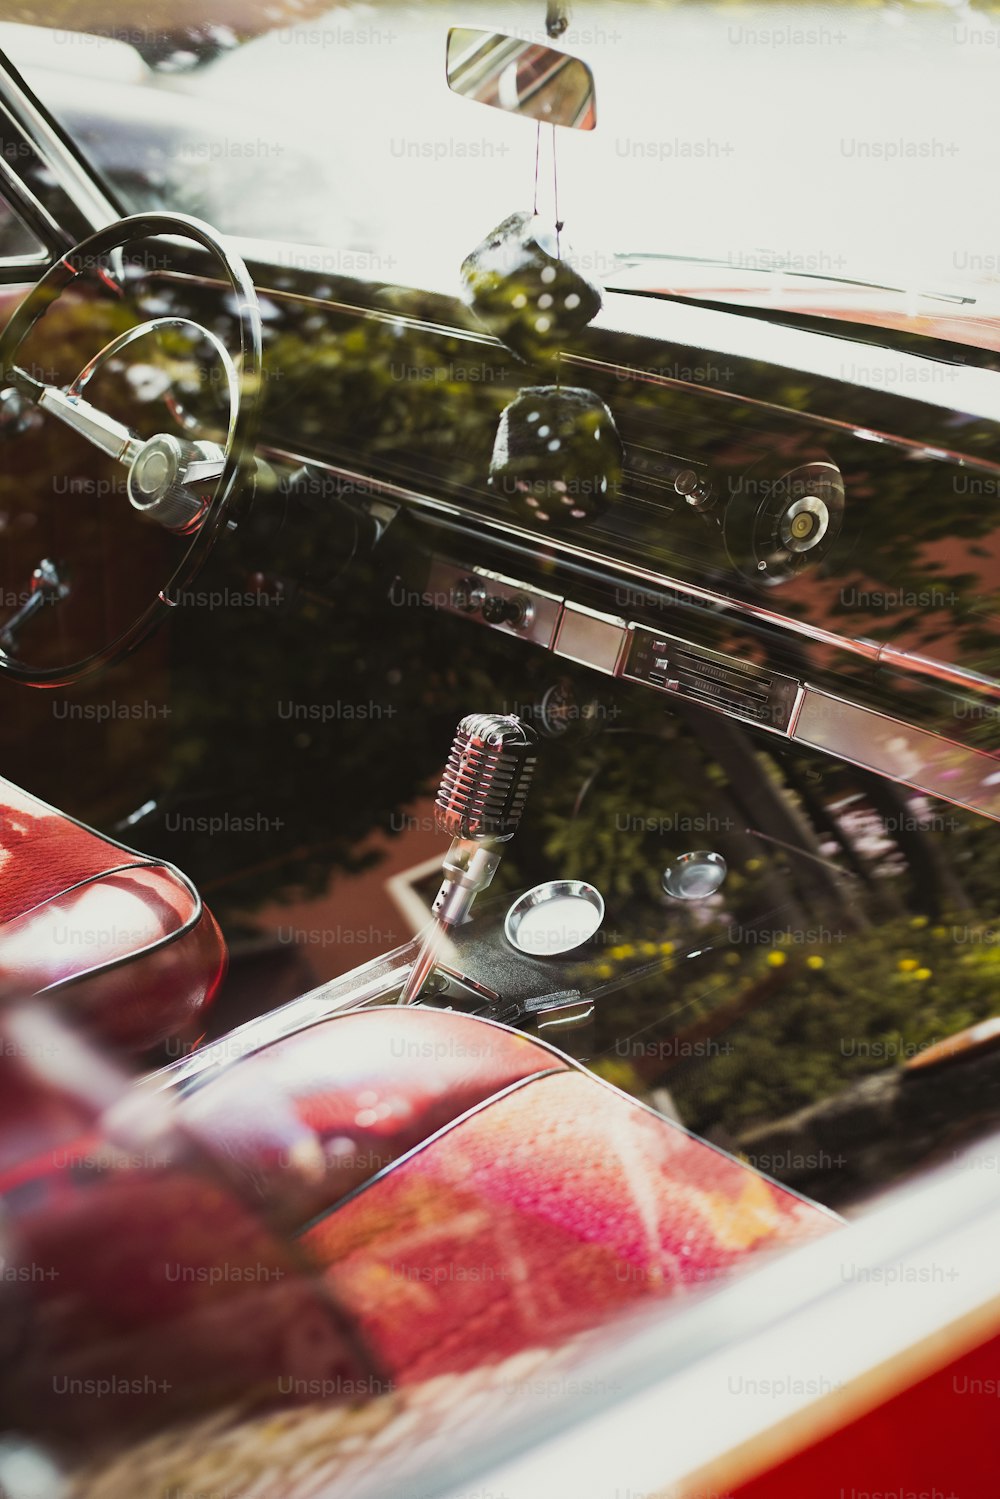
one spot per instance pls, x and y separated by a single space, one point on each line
776 527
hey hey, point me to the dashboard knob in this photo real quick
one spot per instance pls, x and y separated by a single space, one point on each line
696 490
468 595
505 611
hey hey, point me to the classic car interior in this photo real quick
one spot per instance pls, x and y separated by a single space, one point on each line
500 769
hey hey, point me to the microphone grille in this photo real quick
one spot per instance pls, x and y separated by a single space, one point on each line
485 782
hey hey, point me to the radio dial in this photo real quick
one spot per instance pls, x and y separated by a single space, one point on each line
506 611
468 595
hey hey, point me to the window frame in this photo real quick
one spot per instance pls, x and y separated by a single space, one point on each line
75 204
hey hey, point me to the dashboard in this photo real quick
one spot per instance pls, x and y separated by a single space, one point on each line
806 535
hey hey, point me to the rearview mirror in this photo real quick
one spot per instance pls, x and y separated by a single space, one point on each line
524 78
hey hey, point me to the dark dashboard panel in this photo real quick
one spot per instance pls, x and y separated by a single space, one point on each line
915 560
892 610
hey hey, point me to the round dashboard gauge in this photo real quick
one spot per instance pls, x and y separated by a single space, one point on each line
775 528
561 709
558 708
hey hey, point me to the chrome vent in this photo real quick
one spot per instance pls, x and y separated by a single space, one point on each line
718 681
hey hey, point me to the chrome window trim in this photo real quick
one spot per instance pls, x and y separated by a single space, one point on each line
34 216
80 187
28 263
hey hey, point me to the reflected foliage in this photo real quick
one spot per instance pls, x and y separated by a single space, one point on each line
310 698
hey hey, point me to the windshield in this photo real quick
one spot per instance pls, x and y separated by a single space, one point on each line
845 142
680 652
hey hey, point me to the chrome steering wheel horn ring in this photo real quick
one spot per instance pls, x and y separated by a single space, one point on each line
172 502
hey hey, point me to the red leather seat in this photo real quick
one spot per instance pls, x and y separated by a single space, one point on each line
383 1199
124 937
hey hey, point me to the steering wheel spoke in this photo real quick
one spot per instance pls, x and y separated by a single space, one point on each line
102 431
184 484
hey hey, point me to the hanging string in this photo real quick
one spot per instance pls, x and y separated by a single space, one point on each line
555 201
555 194
538 152
559 227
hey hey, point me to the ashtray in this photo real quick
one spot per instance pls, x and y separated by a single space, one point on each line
554 918
694 876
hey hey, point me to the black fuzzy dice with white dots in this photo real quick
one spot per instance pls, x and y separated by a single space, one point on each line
557 456
526 296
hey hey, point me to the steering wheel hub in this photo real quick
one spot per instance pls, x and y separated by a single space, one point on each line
159 476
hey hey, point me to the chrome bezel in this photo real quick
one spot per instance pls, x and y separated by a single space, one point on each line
540 895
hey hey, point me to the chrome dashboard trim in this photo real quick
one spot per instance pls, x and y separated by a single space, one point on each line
816 719
592 639
899 751
539 626
868 650
926 666
744 690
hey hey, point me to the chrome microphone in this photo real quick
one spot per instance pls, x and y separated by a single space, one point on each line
480 802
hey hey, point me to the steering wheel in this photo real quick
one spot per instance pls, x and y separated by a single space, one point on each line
186 486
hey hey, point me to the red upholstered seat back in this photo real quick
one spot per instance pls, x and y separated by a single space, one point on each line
383 1200
126 939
